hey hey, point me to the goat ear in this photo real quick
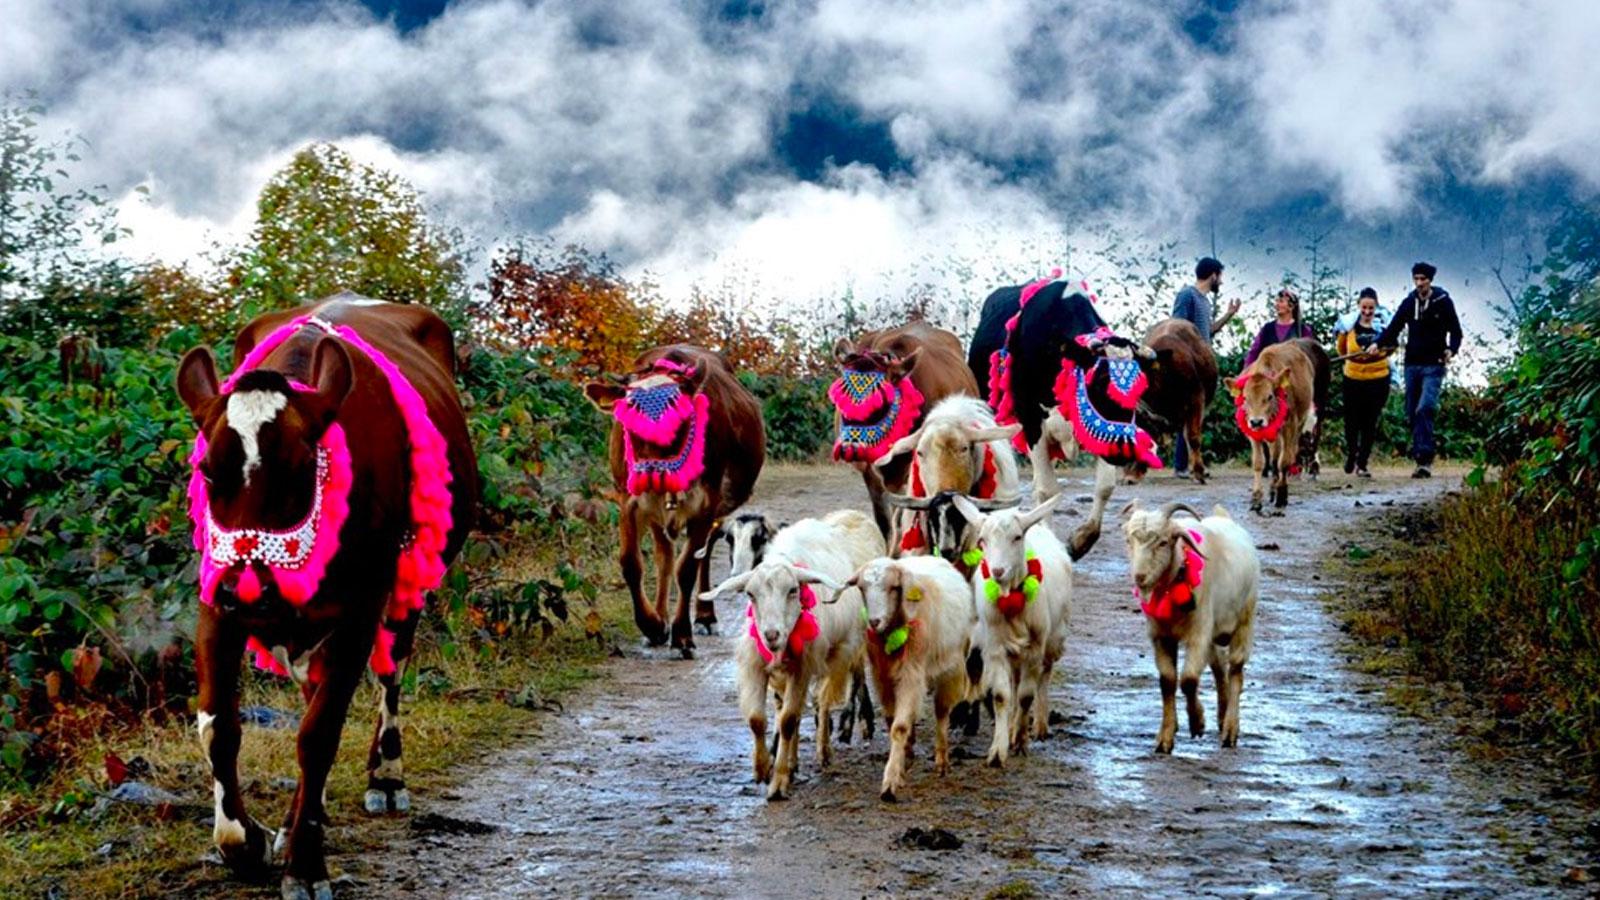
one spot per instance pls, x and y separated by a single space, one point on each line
732 586
1183 535
604 394
710 542
1131 508
812 576
899 448
841 350
969 510
998 433
1040 513
197 382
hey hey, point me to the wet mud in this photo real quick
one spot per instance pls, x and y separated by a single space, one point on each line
642 786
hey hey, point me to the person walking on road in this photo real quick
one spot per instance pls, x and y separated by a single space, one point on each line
1192 305
1366 380
1428 315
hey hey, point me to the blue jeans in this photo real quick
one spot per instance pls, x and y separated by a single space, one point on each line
1180 454
1423 384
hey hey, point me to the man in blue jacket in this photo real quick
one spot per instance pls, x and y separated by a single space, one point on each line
1194 306
1434 339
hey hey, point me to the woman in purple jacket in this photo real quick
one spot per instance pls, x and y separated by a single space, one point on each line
1287 326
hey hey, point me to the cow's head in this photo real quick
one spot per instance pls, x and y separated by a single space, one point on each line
1259 388
261 436
861 359
665 373
1154 553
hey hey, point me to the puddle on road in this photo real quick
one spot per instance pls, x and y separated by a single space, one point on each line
643 787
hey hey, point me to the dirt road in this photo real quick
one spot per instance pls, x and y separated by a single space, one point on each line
642 787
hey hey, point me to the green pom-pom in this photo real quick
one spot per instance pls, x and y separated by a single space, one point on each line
991 589
1030 587
972 557
863 613
896 639
1031 556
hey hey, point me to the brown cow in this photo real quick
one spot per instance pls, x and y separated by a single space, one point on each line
318 539
80 359
1183 381
933 361
1274 407
1310 458
686 449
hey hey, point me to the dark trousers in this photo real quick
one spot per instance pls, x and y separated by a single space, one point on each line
1423 384
1363 409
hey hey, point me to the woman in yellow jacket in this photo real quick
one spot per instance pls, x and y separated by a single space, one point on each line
1366 381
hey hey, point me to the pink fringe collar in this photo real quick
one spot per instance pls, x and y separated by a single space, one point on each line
1166 602
857 397
804 632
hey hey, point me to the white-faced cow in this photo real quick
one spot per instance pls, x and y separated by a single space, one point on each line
1274 406
332 483
686 448
1043 347
889 380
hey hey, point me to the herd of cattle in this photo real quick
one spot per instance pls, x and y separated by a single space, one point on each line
333 480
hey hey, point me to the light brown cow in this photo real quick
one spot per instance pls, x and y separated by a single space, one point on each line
935 363
707 449
1183 379
1274 407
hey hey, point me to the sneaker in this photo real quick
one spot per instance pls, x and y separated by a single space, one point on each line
1181 473
1422 472
1349 466
1363 473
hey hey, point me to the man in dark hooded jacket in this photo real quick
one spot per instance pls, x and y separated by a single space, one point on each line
1433 340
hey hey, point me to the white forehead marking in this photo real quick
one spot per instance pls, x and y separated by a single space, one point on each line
247 412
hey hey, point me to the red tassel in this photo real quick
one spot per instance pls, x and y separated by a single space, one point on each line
249 587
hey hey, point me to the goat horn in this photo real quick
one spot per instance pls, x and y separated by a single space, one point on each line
1177 506
905 502
992 505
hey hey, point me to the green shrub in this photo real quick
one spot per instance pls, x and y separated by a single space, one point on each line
798 416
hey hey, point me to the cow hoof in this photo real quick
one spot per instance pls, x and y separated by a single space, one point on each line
252 858
295 889
378 802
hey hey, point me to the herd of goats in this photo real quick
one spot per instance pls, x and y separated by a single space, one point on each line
333 480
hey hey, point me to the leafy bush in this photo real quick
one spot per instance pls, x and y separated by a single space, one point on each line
798 416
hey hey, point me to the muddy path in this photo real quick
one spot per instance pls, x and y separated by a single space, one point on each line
642 786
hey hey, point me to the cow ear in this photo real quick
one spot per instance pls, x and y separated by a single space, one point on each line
197 382
331 375
1283 379
604 394
841 350
902 367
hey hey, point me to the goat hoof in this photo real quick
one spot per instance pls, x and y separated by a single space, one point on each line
1163 746
293 888
996 761
888 795
775 795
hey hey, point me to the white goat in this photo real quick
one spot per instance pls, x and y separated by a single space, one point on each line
957 448
919 628
793 639
1022 589
1198 580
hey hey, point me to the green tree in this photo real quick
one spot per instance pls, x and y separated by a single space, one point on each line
50 270
327 223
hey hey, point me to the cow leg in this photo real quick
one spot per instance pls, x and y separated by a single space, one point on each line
1045 482
633 575
219 651
874 483
664 569
688 572
1193 431
1105 481
344 658
386 783
1258 464
1280 481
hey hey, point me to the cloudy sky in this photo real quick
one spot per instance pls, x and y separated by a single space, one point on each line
799 148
